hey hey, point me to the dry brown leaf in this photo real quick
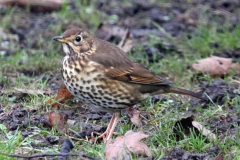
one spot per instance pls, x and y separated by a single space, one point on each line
124 38
219 157
119 149
128 45
203 130
33 91
134 115
37 5
188 123
63 95
214 66
57 119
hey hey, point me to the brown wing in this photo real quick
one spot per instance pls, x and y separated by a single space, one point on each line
118 66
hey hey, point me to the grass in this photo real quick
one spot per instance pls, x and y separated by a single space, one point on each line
45 58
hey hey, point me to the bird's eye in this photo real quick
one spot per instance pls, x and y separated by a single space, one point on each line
78 38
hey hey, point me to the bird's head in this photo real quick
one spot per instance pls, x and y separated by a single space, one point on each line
76 41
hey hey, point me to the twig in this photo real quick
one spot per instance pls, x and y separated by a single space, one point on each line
39 155
125 37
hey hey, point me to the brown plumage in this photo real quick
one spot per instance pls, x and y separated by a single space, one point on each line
101 74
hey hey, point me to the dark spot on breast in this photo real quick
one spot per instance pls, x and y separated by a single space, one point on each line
89 81
102 79
76 84
72 84
114 92
70 66
100 92
116 95
87 88
110 102
94 70
75 92
81 87
95 79
120 90
104 102
71 72
123 103
77 70
95 93
102 86
65 71
90 96
107 98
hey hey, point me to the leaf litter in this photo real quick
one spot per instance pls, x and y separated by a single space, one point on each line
120 147
215 66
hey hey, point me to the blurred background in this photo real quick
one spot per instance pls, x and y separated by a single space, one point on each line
184 30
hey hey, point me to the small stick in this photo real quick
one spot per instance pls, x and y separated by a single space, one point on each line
39 155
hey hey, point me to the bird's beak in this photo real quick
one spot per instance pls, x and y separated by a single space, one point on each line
60 39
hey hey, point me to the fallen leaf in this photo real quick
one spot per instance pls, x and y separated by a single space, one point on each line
120 147
203 130
36 5
63 95
134 116
214 66
188 123
128 45
33 91
57 119
219 157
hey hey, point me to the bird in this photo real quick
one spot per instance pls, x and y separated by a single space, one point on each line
102 75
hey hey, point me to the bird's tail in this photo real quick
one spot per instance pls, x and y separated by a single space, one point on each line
184 92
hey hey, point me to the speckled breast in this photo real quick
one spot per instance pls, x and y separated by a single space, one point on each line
86 80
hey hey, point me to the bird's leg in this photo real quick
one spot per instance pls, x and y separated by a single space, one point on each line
109 131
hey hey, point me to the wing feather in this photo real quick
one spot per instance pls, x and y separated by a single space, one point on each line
117 65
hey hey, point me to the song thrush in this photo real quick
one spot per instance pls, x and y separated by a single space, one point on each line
101 74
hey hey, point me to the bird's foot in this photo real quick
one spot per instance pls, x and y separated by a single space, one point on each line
109 131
